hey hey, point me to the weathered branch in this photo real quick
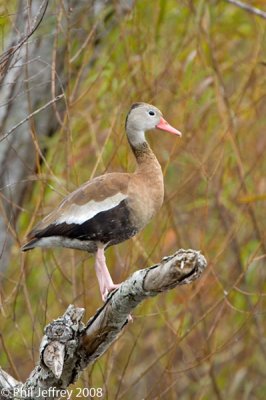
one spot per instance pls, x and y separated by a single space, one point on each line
69 346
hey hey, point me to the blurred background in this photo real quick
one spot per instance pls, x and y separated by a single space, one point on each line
203 63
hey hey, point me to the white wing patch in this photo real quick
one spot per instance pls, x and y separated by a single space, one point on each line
78 214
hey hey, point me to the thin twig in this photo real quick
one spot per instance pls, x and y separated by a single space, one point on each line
32 115
6 57
246 7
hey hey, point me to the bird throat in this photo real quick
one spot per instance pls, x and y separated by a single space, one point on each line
146 159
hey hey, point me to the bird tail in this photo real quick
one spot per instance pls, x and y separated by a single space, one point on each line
30 245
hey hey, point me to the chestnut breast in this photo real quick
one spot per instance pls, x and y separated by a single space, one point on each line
145 195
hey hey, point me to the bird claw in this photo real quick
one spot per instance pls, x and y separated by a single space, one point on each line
107 291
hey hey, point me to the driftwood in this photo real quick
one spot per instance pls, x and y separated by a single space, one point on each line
69 345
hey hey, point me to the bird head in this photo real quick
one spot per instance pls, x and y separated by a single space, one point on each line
143 117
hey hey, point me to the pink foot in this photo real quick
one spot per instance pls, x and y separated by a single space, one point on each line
105 281
109 289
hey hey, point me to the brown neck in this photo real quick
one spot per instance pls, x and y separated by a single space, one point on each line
149 178
146 160
147 163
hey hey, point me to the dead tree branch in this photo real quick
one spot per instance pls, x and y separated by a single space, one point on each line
247 7
69 346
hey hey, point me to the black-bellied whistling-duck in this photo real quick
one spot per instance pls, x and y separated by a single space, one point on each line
113 207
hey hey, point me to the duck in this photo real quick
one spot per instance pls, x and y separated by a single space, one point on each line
111 208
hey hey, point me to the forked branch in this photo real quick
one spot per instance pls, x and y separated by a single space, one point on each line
69 346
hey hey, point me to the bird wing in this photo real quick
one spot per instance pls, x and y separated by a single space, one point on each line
99 195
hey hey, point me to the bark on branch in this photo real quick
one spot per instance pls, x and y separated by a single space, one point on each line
69 345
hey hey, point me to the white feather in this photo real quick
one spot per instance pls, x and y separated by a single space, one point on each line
59 241
78 214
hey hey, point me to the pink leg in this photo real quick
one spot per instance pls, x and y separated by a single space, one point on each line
106 283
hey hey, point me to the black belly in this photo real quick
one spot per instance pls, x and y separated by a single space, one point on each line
108 227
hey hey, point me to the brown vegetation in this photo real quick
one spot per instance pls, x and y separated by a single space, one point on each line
203 64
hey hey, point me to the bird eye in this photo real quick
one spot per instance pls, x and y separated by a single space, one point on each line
152 113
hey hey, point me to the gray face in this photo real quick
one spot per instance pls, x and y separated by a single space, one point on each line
142 117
